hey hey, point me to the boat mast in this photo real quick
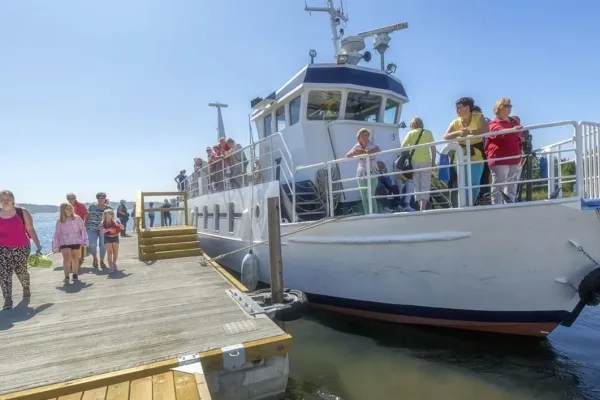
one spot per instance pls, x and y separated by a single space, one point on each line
335 15
221 126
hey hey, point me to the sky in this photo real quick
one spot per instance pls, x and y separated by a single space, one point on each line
112 95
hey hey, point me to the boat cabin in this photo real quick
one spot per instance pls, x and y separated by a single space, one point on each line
319 111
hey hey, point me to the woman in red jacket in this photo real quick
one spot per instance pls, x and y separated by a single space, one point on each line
504 173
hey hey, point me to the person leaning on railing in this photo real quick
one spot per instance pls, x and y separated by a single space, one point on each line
505 173
422 157
469 124
362 147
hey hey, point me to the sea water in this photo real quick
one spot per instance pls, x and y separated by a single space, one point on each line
341 358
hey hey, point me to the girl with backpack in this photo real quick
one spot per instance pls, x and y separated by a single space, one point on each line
69 236
16 229
110 228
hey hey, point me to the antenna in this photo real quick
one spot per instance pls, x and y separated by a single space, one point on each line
221 127
335 15
382 38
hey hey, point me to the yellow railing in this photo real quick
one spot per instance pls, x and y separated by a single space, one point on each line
141 210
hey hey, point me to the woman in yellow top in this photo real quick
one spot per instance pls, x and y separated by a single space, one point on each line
423 157
469 124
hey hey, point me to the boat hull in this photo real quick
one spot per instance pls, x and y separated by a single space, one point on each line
508 269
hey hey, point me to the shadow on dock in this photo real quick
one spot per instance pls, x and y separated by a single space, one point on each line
21 312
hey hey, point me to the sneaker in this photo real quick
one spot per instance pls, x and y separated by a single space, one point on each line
8 304
115 267
409 209
387 210
26 293
75 278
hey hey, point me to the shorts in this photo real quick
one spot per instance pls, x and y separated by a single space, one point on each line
111 239
71 246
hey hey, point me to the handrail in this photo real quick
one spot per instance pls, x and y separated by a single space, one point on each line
464 185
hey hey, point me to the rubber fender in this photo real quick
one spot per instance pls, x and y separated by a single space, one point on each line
296 299
250 271
589 288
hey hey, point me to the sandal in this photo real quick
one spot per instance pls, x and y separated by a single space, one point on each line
102 265
95 264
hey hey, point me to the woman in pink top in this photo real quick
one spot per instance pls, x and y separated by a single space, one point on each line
16 227
69 236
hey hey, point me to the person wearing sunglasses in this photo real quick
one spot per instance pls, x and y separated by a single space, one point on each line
93 225
472 125
504 172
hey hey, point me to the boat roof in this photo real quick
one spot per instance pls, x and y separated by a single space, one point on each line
336 74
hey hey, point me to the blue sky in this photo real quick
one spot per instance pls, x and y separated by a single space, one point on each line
112 95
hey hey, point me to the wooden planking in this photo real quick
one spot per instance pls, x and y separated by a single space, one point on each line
203 390
74 396
138 318
118 391
230 278
141 389
181 245
168 239
95 394
163 387
185 386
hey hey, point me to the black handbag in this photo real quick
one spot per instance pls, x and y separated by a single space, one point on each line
404 162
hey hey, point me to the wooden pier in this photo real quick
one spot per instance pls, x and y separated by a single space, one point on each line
119 337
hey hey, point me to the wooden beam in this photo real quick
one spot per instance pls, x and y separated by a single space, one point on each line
141 389
230 278
275 262
185 386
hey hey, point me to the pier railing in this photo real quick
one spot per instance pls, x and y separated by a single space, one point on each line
181 208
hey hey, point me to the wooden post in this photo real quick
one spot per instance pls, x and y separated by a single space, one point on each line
185 205
275 262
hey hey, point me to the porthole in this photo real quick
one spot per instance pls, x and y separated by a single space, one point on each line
256 211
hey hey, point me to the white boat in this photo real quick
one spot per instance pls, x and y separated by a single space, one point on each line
513 268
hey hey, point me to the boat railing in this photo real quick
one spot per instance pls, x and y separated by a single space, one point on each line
586 162
266 160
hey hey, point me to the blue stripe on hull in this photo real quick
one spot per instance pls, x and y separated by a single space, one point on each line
445 313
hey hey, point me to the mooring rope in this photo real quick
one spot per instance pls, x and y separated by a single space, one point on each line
303 228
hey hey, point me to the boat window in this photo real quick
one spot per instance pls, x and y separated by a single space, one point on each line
363 107
295 110
216 217
390 116
205 217
323 105
230 216
268 130
280 119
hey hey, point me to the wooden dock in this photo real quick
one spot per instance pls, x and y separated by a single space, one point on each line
119 337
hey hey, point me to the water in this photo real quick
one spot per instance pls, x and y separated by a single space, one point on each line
343 358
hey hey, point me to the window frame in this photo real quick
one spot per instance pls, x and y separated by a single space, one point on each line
378 115
326 90
285 118
299 99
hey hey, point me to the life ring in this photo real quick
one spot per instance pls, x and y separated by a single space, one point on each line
295 299
589 288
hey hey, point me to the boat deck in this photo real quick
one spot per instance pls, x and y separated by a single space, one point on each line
109 330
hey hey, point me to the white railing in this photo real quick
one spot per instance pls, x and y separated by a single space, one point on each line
587 166
261 161
257 163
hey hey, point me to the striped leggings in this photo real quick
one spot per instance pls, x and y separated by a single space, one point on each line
13 259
